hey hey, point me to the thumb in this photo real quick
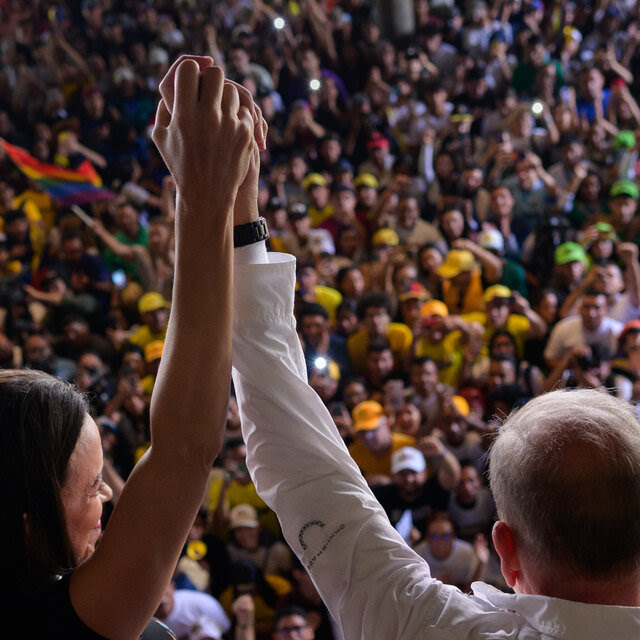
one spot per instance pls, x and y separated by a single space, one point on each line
162 121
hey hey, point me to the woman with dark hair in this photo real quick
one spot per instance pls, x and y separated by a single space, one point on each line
429 260
453 225
62 583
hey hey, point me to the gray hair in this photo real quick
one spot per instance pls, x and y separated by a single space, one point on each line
565 474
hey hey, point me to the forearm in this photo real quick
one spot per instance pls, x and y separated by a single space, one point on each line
548 181
124 251
182 417
570 306
244 632
491 264
425 163
623 72
632 280
556 374
538 327
93 156
220 518
448 471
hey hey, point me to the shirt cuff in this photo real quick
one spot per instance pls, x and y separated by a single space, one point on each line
255 253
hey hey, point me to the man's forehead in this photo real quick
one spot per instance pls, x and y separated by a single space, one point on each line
596 300
468 472
292 620
375 310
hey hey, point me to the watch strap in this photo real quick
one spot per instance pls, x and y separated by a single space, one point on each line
251 232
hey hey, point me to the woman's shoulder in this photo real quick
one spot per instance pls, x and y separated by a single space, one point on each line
51 611
52 614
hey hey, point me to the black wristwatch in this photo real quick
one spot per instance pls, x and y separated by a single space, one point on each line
244 234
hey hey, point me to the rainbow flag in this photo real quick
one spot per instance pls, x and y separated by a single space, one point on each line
65 186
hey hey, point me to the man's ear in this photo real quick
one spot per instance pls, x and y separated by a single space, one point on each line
506 547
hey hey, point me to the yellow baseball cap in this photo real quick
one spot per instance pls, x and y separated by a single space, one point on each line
385 236
457 261
366 180
366 415
314 180
496 291
151 301
434 308
461 405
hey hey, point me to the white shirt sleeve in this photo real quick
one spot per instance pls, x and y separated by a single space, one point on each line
372 582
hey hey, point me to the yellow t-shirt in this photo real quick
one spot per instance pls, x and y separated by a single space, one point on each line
318 216
44 203
399 336
238 493
517 325
370 464
148 382
472 297
447 354
37 233
143 336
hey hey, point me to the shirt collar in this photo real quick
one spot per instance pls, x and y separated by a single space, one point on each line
564 618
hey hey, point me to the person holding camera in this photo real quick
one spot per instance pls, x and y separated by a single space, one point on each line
590 327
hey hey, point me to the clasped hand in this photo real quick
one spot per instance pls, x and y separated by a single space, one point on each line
207 130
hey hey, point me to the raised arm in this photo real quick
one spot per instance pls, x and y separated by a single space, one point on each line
205 137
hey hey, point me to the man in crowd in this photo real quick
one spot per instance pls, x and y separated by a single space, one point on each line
374 442
414 494
591 326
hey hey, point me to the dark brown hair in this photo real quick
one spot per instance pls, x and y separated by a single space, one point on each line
41 421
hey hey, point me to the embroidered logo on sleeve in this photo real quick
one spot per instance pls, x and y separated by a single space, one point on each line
312 534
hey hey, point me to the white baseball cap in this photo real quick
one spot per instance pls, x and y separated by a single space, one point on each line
408 458
491 239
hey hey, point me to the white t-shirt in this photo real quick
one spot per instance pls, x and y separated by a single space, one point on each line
196 615
570 333
457 568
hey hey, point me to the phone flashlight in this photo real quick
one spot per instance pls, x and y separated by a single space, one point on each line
537 108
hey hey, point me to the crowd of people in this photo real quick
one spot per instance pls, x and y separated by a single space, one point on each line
461 200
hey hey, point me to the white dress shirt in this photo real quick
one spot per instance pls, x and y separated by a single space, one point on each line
375 586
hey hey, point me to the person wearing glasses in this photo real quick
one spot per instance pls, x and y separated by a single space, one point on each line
451 560
291 623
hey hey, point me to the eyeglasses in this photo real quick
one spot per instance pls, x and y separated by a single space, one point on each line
441 536
287 631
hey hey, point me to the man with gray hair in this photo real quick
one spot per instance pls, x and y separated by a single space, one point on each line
565 471
565 474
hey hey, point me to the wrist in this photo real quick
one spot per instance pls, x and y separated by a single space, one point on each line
246 623
245 209
250 232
